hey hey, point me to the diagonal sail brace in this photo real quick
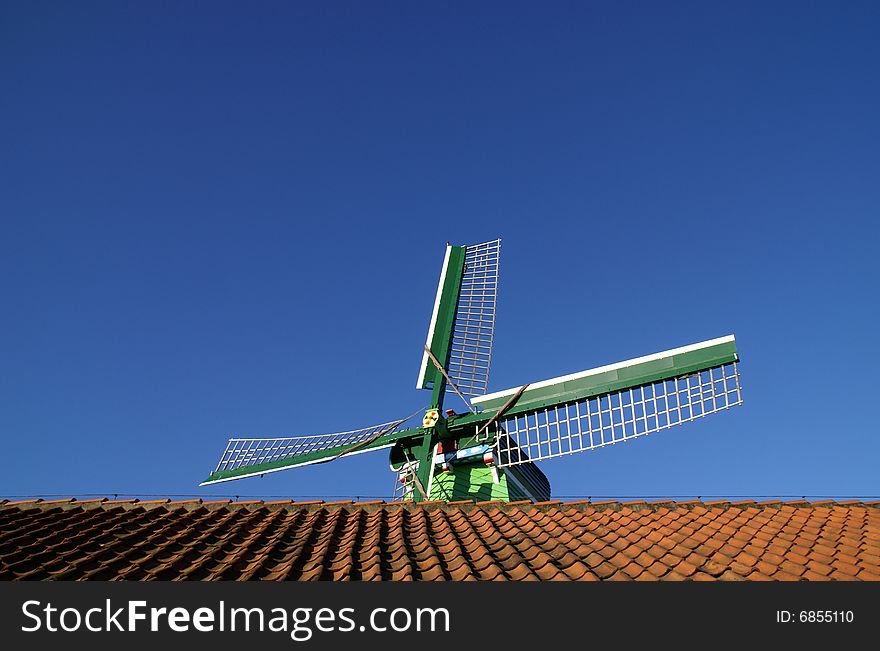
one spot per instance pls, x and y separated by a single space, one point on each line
449 381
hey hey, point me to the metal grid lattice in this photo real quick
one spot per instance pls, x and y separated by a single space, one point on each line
246 452
471 349
616 417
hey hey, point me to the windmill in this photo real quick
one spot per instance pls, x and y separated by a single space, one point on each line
489 451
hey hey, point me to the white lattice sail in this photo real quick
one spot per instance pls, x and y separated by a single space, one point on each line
462 324
264 455
474 326
615 417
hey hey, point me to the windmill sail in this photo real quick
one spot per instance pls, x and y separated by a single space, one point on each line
248 457
616 403
462 325
489 452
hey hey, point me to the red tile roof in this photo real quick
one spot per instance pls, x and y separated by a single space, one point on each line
126 539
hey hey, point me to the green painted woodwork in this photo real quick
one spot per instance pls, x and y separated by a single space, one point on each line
472 482
475 482
425 455
420 442
441 342
613 380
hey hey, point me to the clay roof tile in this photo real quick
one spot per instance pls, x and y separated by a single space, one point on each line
439 540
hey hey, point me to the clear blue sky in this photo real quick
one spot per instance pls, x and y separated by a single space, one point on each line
230 219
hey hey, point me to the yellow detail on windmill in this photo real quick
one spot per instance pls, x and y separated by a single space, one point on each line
431 417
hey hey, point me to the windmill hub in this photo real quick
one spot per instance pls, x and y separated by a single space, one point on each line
489 452
431 417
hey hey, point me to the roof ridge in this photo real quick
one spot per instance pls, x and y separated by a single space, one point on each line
614 505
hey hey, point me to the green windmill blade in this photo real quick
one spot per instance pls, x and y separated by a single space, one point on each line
489 452
462 326
616 403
